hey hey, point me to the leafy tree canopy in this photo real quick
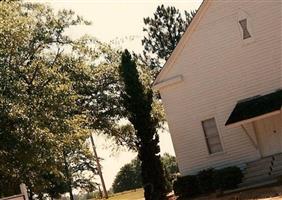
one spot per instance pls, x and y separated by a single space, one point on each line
129 176
162 33
53 90
170 163
43 127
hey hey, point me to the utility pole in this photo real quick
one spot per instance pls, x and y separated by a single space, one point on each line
99 167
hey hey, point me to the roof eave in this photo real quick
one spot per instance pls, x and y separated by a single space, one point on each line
183 41
246 121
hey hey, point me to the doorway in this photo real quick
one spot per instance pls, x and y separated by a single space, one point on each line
269 135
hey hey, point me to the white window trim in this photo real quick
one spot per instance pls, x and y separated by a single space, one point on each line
219 134
243 15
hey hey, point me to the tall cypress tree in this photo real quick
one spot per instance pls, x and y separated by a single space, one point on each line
138 102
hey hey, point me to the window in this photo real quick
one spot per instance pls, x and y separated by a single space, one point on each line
244 25
212 136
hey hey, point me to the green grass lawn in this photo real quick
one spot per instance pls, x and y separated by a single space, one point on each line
129 195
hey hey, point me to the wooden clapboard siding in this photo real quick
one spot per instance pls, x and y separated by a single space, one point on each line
218 69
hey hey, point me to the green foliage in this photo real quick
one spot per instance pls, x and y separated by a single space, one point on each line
163 32
103 100
137 101
170 169
187 186
42 125
129 177
169 162
228 178
207 181
53 90
94 195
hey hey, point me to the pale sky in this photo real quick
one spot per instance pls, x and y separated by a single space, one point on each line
112 19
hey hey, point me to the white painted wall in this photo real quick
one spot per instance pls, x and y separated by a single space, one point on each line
219 69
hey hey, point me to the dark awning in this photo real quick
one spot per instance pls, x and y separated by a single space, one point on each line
255 106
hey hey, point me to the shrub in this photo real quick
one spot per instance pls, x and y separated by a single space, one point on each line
206 180
228 178
186 186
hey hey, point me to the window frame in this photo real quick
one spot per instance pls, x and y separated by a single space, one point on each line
241 16
245 28
207 138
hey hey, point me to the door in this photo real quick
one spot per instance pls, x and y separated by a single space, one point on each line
269 135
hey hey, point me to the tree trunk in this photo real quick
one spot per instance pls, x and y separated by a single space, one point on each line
30 193
71 194
152 173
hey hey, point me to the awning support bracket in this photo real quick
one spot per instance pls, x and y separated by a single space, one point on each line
250 138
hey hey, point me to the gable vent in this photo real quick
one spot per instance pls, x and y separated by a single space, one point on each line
244 25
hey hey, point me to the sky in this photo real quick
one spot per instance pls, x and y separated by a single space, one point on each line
120 21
